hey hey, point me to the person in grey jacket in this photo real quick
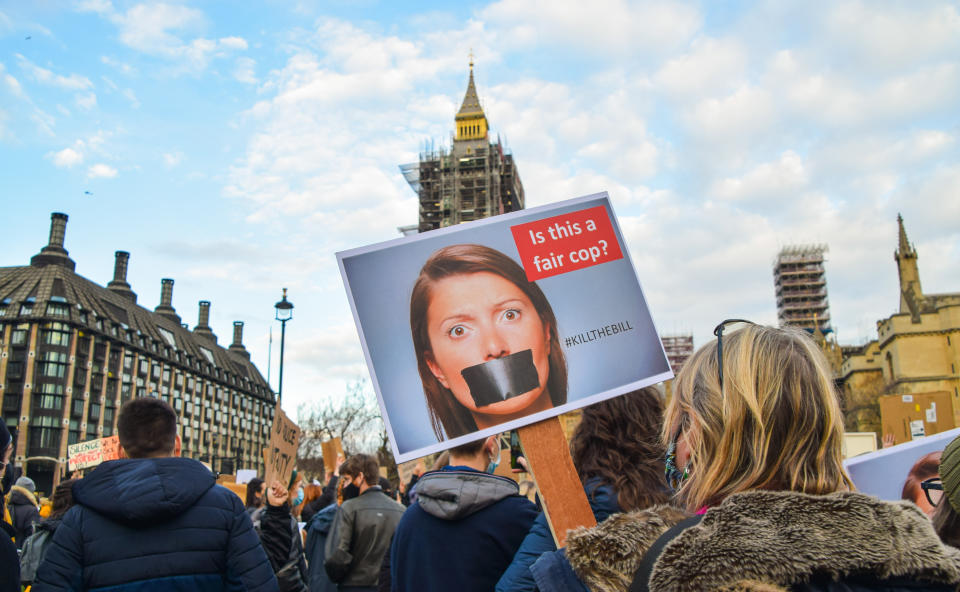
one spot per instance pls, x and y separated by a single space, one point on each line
363 528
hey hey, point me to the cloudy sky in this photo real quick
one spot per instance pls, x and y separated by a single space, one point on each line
235 147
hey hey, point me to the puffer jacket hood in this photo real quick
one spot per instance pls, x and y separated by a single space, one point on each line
21 496
451 494
139 492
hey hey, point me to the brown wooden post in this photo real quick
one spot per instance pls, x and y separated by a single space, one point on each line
564 501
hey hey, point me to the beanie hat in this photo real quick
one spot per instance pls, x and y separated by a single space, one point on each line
950 473
4 437
26 483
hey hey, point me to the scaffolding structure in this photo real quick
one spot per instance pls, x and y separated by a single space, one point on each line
475 178
678 349
459 186
800 282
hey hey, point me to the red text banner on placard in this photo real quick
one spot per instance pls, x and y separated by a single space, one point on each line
564 243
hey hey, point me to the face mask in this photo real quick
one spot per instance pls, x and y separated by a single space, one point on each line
675 477
350 491
299 499
492 466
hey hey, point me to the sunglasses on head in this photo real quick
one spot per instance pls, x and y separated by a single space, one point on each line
733 324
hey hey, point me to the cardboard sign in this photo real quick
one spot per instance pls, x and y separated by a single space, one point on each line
91 453
461 344
331 449
917 415
280 455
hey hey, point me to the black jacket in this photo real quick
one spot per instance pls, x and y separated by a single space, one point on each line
360 536
280 535
155 524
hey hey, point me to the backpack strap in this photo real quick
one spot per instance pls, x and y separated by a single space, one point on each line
641 579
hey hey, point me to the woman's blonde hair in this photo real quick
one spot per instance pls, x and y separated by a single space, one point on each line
777 425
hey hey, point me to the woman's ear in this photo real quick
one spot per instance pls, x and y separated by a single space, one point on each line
435 369
547 330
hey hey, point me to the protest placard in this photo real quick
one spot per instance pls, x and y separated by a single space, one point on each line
280 455
882 473
331 450
477 329
91 453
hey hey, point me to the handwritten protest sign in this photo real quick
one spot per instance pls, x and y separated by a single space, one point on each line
331 450
280 455
91 453
551 289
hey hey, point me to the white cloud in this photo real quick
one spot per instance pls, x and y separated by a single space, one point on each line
66 158
166 31
602 26
245 70
98 6
6 25
237 43
885 37
87 100
132 97
102 171
770 181
710 67
172 159
47 77
122 67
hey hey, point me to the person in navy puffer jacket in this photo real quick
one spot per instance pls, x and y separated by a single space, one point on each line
153 521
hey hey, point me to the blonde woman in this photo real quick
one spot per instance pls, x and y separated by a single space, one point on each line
754 433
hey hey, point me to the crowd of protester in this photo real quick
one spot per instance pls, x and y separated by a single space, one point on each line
734 483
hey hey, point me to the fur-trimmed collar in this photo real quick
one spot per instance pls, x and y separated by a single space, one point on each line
765 540
27 495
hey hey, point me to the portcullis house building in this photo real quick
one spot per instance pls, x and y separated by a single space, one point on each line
72 352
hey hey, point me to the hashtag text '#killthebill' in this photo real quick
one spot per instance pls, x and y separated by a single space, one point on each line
597 334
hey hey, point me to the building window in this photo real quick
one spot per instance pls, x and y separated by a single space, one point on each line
44 432
58 309
57 334
26 307
53 364
77 410
94 414
19 335
48 396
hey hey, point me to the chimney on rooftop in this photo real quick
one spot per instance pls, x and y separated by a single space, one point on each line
119 283
237 345
165 308
203 325
54 253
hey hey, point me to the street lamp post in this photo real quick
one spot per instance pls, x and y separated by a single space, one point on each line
284 314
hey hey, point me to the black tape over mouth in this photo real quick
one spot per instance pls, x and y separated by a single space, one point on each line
502 378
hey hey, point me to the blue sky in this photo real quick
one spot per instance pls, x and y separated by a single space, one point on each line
236 146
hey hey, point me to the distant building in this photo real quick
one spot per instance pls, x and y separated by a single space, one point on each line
801 288
474 179
678 349
917 349
72 352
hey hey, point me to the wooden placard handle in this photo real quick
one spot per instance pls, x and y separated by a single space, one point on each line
564 501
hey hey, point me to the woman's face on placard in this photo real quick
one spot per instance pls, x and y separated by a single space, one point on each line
477 317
